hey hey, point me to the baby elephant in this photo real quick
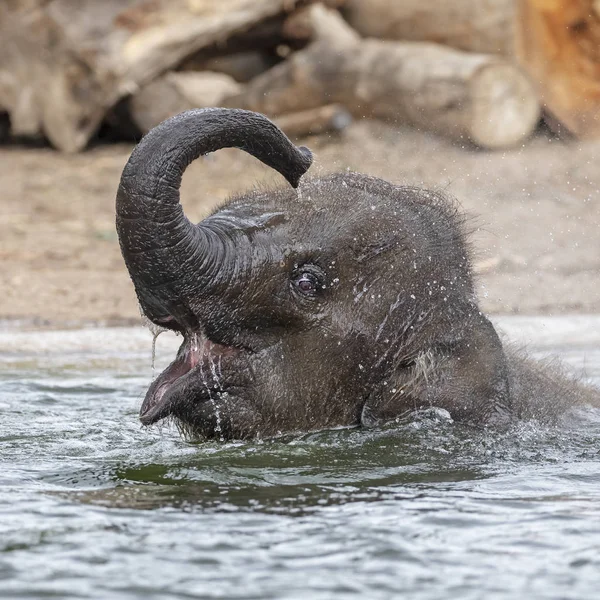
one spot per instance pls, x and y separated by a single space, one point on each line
348 301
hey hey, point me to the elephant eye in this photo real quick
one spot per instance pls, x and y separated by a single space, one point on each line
307 283
308 280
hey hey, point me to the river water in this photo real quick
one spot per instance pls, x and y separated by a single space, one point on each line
94 506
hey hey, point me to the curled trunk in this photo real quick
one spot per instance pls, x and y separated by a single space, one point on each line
169 259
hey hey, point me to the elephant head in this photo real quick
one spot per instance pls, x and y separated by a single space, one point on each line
351 303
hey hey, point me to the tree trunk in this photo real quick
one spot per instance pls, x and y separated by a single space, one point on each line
484 26
558 44
464 96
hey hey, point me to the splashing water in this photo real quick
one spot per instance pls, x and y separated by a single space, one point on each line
155 330
202 349
220 393
219 371
207 351
213 371
303 195
194 344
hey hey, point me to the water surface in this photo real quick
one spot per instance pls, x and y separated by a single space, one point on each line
94 506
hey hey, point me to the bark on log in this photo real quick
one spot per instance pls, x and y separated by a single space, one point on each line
317 22
175 92
465 96
262 38
316 121
558 44
63 63
484 26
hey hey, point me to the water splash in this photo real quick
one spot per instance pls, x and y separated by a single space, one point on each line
213 371
155 330
303 193
194 344
154 338
207 350
219 387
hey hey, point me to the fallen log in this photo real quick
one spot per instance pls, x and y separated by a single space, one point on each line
315 121
243 55
558 44
484 26
64 63
241 66
318 22
176 92
465 96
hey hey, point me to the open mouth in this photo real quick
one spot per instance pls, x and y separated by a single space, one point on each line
196 353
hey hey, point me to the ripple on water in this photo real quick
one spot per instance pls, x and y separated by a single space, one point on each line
94 506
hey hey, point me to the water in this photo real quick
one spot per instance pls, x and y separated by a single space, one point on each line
94 506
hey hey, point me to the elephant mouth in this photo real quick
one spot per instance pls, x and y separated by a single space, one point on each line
197 353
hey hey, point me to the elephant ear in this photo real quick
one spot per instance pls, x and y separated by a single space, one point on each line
469 377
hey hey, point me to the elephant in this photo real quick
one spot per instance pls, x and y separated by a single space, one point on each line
338 301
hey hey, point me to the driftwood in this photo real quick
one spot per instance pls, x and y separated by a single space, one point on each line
466 96
558 44
484 26
175 92
64 63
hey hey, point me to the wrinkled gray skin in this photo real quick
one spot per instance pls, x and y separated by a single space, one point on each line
350 304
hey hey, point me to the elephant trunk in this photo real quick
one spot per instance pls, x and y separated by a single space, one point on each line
168 257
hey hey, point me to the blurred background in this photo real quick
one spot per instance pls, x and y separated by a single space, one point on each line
495 102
